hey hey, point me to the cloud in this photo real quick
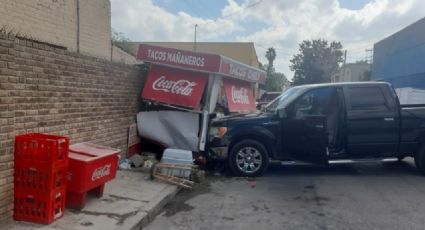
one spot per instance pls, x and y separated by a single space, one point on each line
281 24
141 20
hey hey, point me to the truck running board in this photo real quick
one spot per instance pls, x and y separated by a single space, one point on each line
342 161
366 160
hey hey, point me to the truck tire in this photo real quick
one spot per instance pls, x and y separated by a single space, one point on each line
420 159
248 158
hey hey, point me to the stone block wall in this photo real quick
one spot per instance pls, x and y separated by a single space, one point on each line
121 56
44 88
95 28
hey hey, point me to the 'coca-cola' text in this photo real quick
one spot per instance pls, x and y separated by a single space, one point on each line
179 87
240 96
101 172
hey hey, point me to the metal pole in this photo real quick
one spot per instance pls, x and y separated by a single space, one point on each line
194 45
343 67
345 57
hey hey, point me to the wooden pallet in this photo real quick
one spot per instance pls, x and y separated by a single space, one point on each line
169 176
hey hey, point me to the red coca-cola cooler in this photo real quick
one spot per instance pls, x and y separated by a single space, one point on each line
90 166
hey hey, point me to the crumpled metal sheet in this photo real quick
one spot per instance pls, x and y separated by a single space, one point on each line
176 129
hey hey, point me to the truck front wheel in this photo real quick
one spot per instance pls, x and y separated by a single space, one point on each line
420 159
248 158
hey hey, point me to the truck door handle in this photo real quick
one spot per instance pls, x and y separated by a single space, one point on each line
389 119
319 126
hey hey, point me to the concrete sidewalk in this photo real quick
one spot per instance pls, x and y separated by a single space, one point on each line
130 201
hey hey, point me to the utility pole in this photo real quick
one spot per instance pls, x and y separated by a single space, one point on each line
194 44
369 56
345 57
344 78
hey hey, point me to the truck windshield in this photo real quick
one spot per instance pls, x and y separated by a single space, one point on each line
283 100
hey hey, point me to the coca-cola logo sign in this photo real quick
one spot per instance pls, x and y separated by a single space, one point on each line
174 86
101 172
179 87
240 95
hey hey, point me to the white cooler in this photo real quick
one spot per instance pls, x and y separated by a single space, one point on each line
177 156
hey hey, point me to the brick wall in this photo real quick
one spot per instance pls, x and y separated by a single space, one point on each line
48 89
56 22
7 108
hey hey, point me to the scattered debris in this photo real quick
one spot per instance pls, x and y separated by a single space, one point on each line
137 160
167 172
198 176
125 164
149 161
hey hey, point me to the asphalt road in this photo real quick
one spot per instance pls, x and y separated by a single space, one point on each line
367 196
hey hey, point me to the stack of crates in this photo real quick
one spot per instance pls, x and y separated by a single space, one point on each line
41 163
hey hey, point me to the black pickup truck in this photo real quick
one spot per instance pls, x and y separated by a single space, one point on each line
322 124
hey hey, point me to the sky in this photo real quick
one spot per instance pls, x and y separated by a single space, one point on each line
281 24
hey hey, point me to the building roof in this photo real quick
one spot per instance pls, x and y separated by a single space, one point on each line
367 83
241 51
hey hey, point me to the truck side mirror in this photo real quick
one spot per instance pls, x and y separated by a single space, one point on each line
282 113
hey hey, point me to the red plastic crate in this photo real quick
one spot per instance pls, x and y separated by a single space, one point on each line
40 168
43 148
38 207
38 177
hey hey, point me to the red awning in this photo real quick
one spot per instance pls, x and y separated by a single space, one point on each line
174 86
240 97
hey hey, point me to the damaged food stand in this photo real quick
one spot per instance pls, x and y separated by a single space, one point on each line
190 87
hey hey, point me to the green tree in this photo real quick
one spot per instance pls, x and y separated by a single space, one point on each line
275 81
317 61
118 37
367 75
271 56
120 40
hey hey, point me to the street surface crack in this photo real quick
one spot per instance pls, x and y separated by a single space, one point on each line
120 217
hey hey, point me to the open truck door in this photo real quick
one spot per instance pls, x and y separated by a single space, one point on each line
304 126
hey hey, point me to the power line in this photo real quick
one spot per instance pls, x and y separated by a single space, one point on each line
246 7
199 25
358 49
281 51
234 13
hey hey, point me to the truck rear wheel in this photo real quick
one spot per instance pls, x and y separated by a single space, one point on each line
420 159
248 158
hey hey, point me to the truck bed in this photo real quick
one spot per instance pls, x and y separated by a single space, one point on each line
412 127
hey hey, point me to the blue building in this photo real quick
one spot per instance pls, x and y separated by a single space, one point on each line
400 60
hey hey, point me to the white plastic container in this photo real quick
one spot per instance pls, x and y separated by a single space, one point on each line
177 156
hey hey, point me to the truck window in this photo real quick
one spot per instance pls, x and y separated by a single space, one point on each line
314 102
367 98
